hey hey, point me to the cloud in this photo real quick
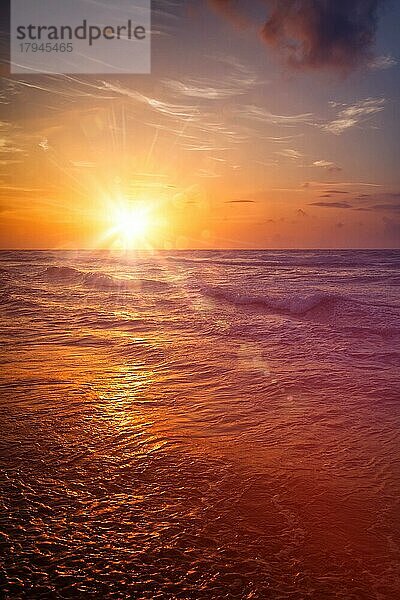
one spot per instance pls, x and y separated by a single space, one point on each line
338 186
7 189
205 173
7 91
83 164
388 206
387 202
5 162
237 79
240 202
205 90
338 192
289 153
330 193
331 204
328 165
380 63
182 112
194 127
316 34
323 33
7 147
257 113
351 115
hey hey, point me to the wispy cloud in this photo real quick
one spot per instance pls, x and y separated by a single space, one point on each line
257 113
207 174
290 153
328 165
8 147
4 187
83 164
339 187
12 140
204 89
352 115
8 89
236 79
380 63
180 111
331 204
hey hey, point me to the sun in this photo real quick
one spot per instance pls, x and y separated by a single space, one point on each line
131 225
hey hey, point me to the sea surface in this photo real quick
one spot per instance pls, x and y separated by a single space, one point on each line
200 425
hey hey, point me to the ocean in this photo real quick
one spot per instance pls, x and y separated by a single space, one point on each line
203 424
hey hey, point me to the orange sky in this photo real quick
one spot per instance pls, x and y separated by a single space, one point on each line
222 146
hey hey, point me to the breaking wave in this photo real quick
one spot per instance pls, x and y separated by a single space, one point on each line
295 305
102 281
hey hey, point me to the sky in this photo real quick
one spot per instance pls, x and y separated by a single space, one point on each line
267 124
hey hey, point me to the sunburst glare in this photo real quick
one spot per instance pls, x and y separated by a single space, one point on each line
131 224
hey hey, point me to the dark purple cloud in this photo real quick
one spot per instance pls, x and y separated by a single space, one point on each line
317 34
337 192
331 204
240 202
331 193
387 206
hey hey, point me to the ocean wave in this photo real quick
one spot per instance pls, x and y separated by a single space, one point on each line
102 281
387 331
208 260
295 305
4 272
333 261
